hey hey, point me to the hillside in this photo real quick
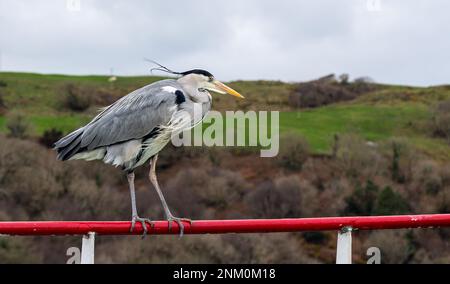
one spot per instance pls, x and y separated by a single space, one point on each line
389 111
406 172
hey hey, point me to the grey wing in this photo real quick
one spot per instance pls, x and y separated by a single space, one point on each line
132 117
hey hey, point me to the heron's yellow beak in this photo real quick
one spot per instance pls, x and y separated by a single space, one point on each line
224 89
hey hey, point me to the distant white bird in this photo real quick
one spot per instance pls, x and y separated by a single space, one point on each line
135 128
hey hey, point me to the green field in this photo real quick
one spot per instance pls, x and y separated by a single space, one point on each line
393 111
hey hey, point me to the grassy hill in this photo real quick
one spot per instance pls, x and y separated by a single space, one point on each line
378 115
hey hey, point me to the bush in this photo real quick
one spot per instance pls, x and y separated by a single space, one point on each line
294 151
50 137
356 157
198 193
327 90
443 201
394 246
369 200
441 120
362 200
390 203
427 176
77 98
280 199
18 251
169 156
316 94
2 103
344 78
315 237
18 126
402 157
104 97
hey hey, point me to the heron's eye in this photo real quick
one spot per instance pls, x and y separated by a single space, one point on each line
202 90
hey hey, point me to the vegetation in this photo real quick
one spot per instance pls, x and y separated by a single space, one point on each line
328 90
294 151
2 101
50 137
376 115
441 120
378 153
76 98
18 125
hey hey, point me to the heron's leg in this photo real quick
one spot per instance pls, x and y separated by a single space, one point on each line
134 215
169 215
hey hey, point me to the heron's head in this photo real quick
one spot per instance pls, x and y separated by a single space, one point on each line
202 80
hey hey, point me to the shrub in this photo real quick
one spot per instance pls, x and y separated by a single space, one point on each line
197 193
333 194
18 126
394 246
294 151
369 200
2 102
402 157
390 203
280 199
216 155
240 151
364 79
362 200
37 188
276 248
169 156
427 175
77 98
315 237
327 90
343 78
50 136
316 94
104 97
17 251
356 157
441 120
443 204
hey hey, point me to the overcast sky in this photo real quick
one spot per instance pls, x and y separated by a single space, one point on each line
396 41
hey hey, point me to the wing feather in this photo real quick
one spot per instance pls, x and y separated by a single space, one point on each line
131 117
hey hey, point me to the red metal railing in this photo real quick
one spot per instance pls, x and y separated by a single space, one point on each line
227 226
344 226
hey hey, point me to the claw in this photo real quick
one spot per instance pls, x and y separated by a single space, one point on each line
143 223
179 222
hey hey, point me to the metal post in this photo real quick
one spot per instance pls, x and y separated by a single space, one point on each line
87 248
344 246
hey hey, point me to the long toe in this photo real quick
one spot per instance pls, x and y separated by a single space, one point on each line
180 224
143 222
144 227
186 220
133 224
179 221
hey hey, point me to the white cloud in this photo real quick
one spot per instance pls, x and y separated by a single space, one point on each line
406 42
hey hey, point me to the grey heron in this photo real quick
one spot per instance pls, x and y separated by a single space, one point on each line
135 128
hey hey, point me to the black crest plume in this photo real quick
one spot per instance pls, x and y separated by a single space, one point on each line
163 68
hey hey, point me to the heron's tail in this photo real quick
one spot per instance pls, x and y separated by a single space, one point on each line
69 145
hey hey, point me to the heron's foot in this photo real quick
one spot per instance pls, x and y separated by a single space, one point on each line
143 221
179 221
